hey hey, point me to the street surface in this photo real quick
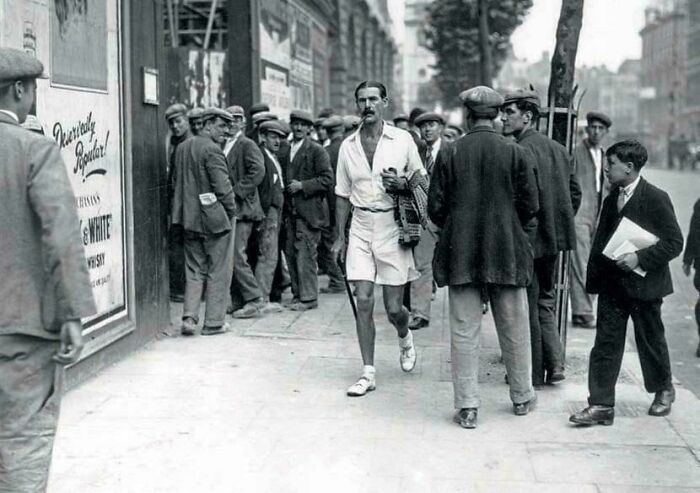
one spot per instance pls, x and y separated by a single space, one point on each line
263 408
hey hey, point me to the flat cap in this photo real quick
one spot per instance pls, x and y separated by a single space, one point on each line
236 110
210 113
177 109
258 108
318 122
301 115
351 121
333 122
456 128
263 116
325 113
601 117
274 126
481 99
529 95
17 64
195 113
429 116
32 123
401 117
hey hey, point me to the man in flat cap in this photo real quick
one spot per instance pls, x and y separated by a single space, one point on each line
589 158
271 192
253 111
482 196
45 288
308 178
431 126
204 205
321 134
401 121
452 133
335 130
179 131
374 165
194 116
559 197
246 170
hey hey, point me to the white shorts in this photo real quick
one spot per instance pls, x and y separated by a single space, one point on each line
374 253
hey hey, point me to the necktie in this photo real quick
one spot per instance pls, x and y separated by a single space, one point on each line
621 198
429 161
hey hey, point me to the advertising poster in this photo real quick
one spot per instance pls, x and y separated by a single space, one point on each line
206 78
301 73
321 67
275 44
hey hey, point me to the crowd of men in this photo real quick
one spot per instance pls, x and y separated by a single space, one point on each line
258 205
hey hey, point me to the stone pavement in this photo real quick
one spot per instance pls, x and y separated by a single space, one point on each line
263 408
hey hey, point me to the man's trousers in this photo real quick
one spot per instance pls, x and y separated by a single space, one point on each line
422 288
609 346
30 396
326 260
301 250
208 260
176 260
581 301
244 287
544 336
509 307
268 250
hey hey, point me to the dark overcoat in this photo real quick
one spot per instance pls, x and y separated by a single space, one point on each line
246 170
482 194
651 209
270 191
691 256
591 200
559 193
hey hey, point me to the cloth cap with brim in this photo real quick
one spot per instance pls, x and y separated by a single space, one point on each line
258 108
351 121
301 116
17 64
195 113
529 95
481 99
236 110
210 113
263 116
273 126
429 117
601 117
332 122
456 128
401 117
177 109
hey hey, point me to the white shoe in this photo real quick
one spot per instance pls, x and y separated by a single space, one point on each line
408 357
362 386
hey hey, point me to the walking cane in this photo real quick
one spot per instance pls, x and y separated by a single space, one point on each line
348 289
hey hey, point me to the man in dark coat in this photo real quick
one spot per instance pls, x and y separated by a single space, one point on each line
589 158
204 205
482 196
559 197
246 171
691 259
335 130
632 285
308 178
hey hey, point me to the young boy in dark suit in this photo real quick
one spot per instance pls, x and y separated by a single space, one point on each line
624 293
691 258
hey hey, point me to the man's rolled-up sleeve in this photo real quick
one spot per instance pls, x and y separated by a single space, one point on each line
343 183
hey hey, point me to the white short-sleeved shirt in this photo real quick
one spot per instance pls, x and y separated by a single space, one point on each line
362 184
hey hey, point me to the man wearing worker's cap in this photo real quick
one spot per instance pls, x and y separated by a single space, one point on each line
452 132
431 125
559 197
308 178
589 158
179 126
45 289
335 130
204 205
401 121
194 116
254 110
321 134
482 196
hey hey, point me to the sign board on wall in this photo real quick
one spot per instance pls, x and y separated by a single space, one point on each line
83 115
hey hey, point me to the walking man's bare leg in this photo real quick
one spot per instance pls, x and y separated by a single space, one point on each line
365 320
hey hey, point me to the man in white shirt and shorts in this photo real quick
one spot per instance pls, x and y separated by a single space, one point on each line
373 165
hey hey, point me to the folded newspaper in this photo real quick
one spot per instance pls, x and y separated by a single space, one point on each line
629 237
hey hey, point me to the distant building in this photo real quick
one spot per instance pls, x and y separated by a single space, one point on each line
691 112
418 60
618 96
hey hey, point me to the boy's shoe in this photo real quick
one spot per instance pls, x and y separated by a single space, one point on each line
189 327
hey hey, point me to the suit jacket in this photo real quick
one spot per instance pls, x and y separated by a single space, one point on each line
558 192
482 195
312 168
651 209
591 199
246 170
200 167
43 270
692 244
270 188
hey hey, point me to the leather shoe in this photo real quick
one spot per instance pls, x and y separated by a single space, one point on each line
556 375
466 417
594 415
662 402
523 408
302 306
583 321
418 323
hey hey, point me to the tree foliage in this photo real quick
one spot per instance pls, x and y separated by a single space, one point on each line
452 34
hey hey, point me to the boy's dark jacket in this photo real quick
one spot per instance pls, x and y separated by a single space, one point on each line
651 209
